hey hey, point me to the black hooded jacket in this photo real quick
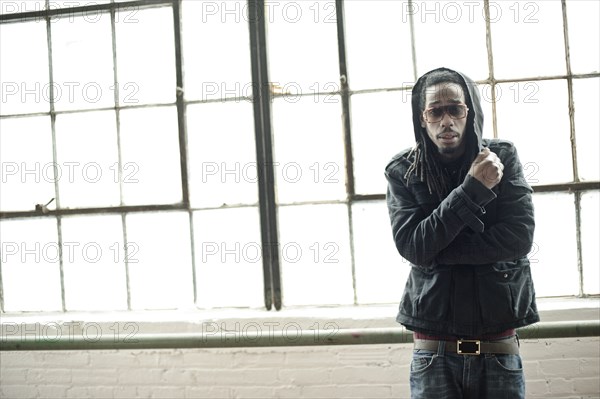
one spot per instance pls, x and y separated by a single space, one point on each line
470 274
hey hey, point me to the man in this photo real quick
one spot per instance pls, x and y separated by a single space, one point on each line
462 215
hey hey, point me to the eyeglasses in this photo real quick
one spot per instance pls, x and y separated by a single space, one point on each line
455 111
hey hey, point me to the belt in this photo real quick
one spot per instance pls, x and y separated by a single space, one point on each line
507 346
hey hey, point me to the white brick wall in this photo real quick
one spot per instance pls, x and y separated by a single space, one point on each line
555 368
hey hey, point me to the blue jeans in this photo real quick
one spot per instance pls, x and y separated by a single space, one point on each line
439 375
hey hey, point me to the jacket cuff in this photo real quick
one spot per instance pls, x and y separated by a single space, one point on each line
467 215
477 194
473 197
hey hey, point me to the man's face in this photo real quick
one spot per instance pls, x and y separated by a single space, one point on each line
444 118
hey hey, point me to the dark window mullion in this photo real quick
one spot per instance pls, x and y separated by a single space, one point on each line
570 93
182 128
181 108
573 137
55 160
490 57
347 126
119 155
264 155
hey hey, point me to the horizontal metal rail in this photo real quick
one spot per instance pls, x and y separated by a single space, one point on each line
274 338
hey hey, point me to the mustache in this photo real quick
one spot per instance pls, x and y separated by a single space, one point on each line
446 132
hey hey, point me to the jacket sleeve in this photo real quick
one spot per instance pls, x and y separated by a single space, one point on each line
510 237
419 236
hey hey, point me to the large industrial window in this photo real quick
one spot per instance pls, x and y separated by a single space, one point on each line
208 154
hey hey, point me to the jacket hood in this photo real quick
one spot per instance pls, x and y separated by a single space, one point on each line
473 100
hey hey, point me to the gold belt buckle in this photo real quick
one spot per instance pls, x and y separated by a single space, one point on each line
468 347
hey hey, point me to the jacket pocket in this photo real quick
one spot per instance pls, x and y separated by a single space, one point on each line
426 295
505 293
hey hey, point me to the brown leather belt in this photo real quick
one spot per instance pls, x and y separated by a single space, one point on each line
507 346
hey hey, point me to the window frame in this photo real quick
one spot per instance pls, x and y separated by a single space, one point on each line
264 93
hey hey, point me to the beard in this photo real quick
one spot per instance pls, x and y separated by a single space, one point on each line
449 150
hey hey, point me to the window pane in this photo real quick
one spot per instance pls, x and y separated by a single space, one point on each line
25 74
160 261
586 95
379 281
30 265
590 234
93 263
87 159
554 258
444 28
584 35
378 46
82 61
299 33
222 154
521 32
315 260
216 69
309 149
228 258
150 156
27 165
145 56
381 127
535 115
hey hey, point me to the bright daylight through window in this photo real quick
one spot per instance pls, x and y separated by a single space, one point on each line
196 163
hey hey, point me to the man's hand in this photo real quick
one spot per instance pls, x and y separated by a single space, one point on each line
487 168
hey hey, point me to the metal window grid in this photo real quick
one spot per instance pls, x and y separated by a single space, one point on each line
262 124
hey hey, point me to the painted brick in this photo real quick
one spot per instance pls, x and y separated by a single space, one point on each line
179 376
19 359
52 391
210 359
94 376
162 392
113 359
349 391
561 367
124 391
139 376
66 358
252 392
537 388
561 386
401 391
84 392
311 357
258 358
17 391
243 377
287 392
589 367
92 392
207 392
587 386
56 376
14 375
304 377
554 368
366 375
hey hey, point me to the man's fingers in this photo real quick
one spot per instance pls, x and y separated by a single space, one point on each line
483 154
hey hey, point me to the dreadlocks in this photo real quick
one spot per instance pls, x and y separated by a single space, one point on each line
427 169
425 165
